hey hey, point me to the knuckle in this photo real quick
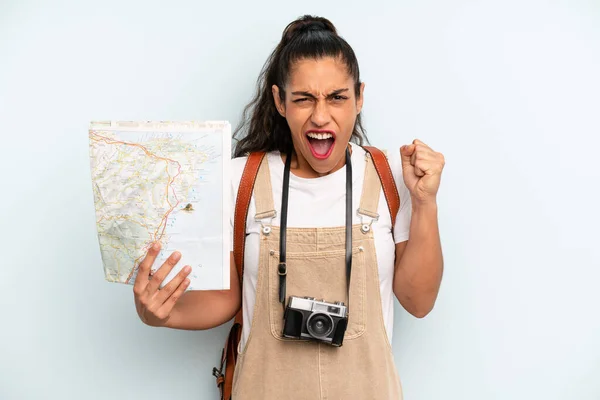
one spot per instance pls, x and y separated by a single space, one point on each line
161 315
157 277
153 311
143 272
169 289
145 262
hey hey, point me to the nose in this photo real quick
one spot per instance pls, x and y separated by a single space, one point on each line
320 115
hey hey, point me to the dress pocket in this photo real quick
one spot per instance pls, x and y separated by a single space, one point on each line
321 275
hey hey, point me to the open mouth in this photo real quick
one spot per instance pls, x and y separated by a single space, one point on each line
321 142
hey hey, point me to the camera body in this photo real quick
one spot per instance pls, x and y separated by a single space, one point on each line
307 318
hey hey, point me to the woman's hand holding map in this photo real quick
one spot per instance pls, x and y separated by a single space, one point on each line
153 304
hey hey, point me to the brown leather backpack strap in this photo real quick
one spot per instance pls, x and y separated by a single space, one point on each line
241 209
387 181
230 351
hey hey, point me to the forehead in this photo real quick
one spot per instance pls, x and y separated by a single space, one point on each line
320 74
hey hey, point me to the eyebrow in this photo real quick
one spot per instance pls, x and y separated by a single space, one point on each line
307 94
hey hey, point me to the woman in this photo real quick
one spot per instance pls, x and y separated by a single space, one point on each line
318 226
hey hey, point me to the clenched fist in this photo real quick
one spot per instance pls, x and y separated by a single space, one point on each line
422 170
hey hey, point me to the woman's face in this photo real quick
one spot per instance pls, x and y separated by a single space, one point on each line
320 107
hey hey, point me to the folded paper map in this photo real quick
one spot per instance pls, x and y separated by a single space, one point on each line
164 182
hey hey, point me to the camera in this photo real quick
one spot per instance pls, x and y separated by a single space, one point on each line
307 318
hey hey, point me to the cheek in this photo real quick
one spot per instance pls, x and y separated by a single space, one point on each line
345 117
297 117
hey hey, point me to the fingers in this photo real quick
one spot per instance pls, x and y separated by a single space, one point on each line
422 152
165 310
416 162
411 156
419 171
418 155
420 143
154 306
406 153
162 272
141 279
171 287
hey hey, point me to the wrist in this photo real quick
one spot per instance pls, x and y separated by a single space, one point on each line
419 206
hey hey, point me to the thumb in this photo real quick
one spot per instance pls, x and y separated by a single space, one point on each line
406 153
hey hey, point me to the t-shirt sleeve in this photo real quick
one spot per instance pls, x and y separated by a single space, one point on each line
402 225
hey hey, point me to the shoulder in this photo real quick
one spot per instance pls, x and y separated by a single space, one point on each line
236 169
237 166
393 160
395 163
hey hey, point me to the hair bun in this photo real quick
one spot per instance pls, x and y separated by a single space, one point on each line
307 23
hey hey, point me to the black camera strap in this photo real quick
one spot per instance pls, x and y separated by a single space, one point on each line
282 268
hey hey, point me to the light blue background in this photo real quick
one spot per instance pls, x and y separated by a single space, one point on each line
508 91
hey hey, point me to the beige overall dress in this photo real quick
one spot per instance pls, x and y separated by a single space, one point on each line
271 367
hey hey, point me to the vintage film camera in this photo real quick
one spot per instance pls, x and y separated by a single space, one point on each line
307 318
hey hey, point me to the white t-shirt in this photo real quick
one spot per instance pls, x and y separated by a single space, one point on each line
305 211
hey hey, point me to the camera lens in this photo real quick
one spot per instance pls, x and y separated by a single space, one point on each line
319 325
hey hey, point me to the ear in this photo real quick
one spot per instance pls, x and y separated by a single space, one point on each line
359 100
280 105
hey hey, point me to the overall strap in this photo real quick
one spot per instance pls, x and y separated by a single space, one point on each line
265 209
230 351
263 193
369 199
390 190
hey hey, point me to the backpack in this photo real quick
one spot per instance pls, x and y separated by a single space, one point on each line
224 373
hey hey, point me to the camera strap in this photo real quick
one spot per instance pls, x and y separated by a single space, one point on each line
282 268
